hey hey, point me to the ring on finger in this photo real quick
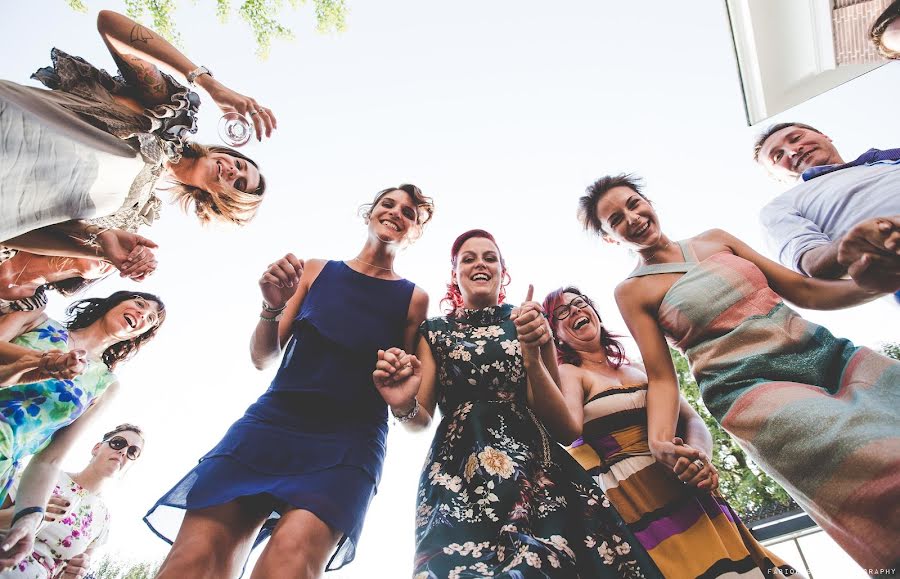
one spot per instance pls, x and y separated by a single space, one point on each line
699 463
253 112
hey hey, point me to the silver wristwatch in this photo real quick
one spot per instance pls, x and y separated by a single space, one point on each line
192 76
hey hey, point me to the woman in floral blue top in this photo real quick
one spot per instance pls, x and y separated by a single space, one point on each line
497 497
43 418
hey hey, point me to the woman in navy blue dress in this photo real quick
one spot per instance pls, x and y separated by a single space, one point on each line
304 461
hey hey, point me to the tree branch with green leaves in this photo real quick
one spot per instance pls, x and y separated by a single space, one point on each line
262 16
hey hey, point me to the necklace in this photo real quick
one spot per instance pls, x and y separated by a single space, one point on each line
390 269
663 248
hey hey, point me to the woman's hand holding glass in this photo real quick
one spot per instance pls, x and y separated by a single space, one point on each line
229 101
397 377
279 282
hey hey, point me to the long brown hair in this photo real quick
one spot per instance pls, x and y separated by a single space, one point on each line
85 312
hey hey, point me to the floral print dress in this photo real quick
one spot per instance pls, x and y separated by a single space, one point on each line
31 413
84 526
497 497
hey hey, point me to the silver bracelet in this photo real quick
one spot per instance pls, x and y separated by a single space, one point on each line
409 415
91 239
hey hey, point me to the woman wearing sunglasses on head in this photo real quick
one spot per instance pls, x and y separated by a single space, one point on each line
80 163
686 526
304 461
76 519
42 418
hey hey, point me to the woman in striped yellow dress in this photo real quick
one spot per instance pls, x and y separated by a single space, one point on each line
686 526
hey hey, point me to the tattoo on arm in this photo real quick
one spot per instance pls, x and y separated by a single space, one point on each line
145 76
139 34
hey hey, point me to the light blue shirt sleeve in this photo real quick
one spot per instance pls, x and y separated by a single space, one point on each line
789 233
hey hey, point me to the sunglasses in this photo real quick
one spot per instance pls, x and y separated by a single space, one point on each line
563 311
118 443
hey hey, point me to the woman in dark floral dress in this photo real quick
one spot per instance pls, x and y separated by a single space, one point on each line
497 497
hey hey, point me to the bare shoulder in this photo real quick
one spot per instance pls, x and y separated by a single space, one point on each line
311 270
628 293
714 234
570 370
418 306
419 300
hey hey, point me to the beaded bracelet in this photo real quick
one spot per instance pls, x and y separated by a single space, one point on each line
24 513
409 415
270 309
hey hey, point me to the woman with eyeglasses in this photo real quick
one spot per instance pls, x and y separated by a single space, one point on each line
80 163
304 462
43 418
497 496
687 527
814 411
76 520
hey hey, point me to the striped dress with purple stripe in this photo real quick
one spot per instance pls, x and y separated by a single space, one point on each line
817 413
688 532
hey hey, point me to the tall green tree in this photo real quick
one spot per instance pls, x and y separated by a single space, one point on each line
891 350
261 15
741 481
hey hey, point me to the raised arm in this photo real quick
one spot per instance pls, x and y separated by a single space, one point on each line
663 397
39 478
138 51
806 292
544 394
284 286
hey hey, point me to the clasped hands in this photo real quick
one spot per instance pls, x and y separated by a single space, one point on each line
130 253
35 366
690 465
871 253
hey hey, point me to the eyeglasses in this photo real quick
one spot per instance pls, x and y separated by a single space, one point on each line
118 443
563 311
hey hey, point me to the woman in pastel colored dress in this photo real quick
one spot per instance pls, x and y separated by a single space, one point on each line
497 497
76 520
80 163
688 529
305 459
44 418
814 411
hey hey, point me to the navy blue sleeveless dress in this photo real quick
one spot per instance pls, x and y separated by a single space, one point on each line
316 439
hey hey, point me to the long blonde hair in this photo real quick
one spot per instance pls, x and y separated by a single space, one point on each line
224 203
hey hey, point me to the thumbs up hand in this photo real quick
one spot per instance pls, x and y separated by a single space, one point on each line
532 328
